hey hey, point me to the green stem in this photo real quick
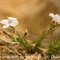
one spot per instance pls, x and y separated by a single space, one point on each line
26 43
41 39
17 39
23 40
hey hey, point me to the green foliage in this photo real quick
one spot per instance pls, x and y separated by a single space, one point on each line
13 40
38 43
26 43
53 48
20 40
23 41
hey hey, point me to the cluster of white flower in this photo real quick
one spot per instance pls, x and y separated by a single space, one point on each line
55 17
11 21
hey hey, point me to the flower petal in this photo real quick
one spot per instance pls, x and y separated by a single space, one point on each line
5 21
14 23
55 17
12 18
51 15
5 25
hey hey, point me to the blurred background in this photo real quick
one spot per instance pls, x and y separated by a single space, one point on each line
31 14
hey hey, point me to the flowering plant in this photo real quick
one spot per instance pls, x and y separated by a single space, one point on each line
55 17
11 21
53 47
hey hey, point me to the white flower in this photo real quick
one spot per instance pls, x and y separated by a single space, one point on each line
11 21
55 17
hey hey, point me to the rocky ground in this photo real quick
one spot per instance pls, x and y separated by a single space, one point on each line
15 51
